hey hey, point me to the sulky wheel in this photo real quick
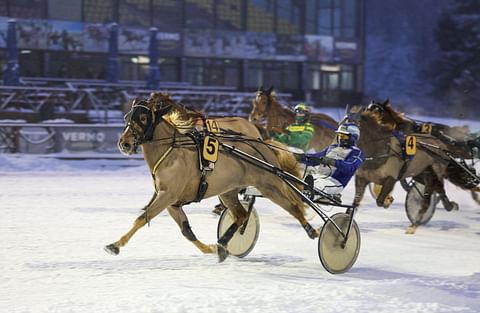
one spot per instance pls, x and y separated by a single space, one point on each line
335 257
241 243
413 205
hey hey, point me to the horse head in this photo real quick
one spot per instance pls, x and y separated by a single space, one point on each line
140 122
261 104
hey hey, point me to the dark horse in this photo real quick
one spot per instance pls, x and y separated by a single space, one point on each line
266 105
168 135
385 164
451 137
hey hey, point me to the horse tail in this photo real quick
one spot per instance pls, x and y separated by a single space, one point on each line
289 163
287 160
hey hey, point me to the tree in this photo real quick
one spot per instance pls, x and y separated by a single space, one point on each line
456 73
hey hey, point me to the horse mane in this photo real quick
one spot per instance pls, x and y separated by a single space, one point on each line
372 119
179 117
392 118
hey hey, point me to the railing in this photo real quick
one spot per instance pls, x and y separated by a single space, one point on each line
100 102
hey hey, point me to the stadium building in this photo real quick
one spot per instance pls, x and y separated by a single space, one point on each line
312 49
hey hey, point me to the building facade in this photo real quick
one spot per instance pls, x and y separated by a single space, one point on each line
310 48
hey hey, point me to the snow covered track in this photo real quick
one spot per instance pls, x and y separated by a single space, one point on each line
55 217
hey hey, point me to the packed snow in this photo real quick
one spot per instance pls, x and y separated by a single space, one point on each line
56 216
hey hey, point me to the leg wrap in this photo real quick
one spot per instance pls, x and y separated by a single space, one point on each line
187 232
228 235
310 230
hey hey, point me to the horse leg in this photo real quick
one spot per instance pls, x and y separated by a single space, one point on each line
474 192
179 216
230 199
440 189
384 198
156 205
360 185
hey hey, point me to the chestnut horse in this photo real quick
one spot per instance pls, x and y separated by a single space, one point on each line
166 133
266 105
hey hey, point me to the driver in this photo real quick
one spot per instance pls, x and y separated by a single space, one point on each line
334 166
298 134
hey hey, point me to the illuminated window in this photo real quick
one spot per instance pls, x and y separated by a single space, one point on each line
167 14
134 12
260 15
229 14
199 14
288 17
27 8
95 11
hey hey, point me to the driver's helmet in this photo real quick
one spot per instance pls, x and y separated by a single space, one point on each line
375 107
347 134
302 113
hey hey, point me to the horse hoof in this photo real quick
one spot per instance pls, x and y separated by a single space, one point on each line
388 201
222 253
112 249
411 230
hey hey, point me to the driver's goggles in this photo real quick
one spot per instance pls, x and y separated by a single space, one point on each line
342 136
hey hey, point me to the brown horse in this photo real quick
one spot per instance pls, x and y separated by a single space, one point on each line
266 105
385 165
166 134
451 137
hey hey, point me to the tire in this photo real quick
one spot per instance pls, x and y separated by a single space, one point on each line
333 257
241 244
413 204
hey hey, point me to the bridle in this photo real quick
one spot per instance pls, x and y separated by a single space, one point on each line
133 119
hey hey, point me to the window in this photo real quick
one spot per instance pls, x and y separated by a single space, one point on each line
288 17
230 15
310 17
324 17
347 77
168 69
134 12
3 8
70 10
260 15
167 15
95 11
350 19
199 14
254 74
194 71
337 18
27 8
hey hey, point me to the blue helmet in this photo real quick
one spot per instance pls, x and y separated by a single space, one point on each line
352 133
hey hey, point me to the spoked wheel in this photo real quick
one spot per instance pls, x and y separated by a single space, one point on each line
375 190
242 242
336 257
413 205
407 183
